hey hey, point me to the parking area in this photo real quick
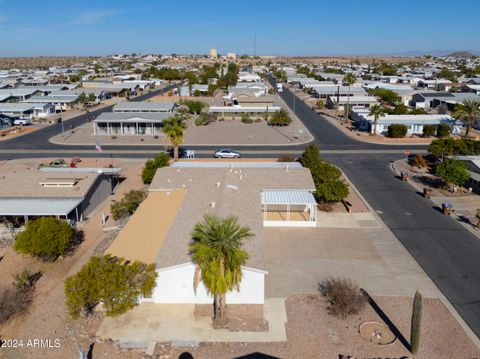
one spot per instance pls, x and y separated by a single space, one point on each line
298 259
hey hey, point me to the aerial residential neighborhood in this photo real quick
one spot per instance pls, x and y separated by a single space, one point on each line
183 181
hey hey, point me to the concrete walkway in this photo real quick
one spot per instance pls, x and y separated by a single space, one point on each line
346 220
151 322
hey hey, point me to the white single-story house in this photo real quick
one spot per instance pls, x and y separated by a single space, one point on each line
414 123
18 94
236 111
27 110
248 77
326 91
129 123
259 194
61 103
354 101
137 106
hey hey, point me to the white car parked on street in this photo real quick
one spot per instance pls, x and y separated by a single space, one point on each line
226 153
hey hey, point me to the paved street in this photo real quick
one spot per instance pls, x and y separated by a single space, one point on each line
446 250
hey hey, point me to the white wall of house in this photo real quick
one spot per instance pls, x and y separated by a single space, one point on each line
175 285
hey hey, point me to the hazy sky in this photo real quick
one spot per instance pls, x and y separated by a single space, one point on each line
300 27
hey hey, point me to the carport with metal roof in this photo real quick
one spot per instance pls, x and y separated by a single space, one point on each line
40 207
289 208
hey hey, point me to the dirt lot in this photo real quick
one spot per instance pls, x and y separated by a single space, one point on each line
312 333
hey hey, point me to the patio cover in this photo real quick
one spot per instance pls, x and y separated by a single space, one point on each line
290 197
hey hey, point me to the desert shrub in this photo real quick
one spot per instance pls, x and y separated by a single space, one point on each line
111 281
151 166
419 161
14 302
246 118
331 190
320 105
343 296
46 238
429 130
443 130
114 137
397 131
202 119
280 118
25 280
128 204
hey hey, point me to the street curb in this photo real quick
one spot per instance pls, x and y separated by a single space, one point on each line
443 299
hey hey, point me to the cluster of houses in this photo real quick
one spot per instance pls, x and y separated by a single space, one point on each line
418 88
41 94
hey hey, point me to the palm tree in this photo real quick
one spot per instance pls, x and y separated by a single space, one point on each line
468 112
174 128
349 79
376 111
216 252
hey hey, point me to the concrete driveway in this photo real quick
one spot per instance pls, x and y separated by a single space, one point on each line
298 259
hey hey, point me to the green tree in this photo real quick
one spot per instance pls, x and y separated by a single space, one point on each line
385 95
468 112
128 204
329 186
194 107
218 257
174 128
151 166
447 74
91 97
117 284
376 111
280 118
311 157
453 172
46 238
349 79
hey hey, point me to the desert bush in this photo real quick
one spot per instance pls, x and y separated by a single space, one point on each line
128 204
343 296
152 165
443 130
46 238
202 119
25 280
111 281
246 118
419 161
397 131
114 137
14 302
429 130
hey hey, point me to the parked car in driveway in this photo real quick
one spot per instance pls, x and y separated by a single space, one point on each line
22 121
226 153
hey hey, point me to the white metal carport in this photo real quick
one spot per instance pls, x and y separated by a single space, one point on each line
289 208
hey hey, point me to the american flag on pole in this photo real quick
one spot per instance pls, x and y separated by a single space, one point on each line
98 147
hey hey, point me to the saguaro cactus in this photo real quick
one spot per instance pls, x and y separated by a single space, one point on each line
416 322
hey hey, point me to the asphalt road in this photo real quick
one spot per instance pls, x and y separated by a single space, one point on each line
446 250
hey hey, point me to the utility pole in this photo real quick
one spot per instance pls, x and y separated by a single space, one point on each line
293 120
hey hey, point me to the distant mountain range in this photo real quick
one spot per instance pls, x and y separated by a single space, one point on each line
450 53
